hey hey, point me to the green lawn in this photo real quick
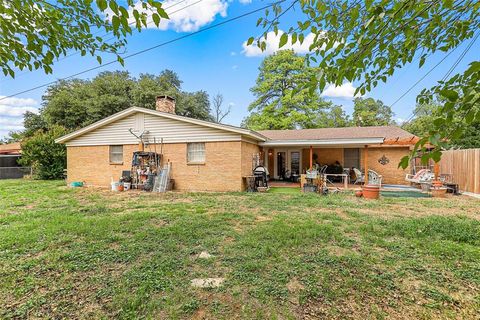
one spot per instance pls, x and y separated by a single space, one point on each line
85 253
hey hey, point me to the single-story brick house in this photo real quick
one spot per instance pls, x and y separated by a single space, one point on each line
208 156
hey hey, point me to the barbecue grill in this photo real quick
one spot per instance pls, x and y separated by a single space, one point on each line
260 174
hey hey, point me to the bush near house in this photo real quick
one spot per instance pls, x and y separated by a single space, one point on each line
92 254
47 158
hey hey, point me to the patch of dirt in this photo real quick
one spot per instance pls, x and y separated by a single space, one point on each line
294 286
228 240
263 218
158 223
200 314
366 308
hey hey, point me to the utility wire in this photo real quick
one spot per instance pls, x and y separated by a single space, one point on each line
131 23
148 49
449 72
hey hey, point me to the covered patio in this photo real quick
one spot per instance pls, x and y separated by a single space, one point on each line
288 160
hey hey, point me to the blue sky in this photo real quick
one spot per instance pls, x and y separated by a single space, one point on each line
215 61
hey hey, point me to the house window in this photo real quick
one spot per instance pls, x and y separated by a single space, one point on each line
116 154
196 152
351 158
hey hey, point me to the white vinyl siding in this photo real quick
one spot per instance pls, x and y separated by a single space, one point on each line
171 130
196 152
116 154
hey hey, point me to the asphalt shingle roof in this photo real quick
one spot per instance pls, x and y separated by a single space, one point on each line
387 132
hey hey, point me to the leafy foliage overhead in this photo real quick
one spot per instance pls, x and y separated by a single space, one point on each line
368 41
35 32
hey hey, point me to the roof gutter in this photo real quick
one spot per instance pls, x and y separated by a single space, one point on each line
323 142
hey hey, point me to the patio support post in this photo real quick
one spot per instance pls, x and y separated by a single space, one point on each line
311 157
436 170
365 163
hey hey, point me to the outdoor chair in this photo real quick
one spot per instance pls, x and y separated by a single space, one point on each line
359 177
373 177
422 176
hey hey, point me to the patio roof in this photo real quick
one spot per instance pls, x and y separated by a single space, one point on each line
338 142
326 134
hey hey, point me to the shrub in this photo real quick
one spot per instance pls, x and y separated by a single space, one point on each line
47 158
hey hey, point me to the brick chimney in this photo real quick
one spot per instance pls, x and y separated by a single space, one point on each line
165 104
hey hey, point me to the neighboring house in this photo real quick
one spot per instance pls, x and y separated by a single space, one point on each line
9 155
208 156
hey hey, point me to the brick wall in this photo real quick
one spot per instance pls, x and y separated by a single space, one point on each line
91 164
390 172
248 150
222 171
325 156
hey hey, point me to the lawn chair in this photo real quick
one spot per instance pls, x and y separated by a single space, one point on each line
373 177
359 177
422 176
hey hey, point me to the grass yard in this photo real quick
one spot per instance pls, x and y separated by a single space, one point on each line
85 253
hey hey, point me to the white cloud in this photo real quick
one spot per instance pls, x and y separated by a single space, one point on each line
235 67
346 90
16 107
245 1
272 42
191 16
233 53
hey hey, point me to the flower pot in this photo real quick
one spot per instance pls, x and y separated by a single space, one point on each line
120 187
358 193
127 185
439 192
371 191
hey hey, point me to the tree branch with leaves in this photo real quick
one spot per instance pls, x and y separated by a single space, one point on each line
368 41
34 33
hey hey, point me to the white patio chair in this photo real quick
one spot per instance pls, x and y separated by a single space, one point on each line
423 175
359 176
374 177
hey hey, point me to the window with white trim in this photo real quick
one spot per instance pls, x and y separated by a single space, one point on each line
116 154
196 152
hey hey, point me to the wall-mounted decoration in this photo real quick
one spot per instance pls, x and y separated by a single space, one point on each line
383 160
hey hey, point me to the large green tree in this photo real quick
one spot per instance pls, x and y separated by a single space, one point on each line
77 103
333 117
427 114
422 123
371 112
279 103
34 33
368 41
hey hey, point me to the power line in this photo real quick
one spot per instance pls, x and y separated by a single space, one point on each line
131 23
455 64
148 49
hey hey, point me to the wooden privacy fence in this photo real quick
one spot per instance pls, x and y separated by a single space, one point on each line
464 168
